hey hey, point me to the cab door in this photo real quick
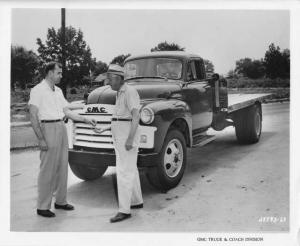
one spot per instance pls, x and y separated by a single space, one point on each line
198 94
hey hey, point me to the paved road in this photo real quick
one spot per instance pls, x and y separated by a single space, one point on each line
226 187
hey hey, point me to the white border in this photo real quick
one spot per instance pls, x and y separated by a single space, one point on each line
13 238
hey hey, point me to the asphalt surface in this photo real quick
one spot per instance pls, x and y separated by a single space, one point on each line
226 187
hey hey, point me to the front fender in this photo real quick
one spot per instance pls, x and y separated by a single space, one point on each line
166 113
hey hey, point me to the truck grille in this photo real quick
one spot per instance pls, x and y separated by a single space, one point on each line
85 136
81 136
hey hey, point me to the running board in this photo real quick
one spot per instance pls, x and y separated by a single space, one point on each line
202 139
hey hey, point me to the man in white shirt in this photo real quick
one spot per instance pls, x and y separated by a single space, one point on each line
47 107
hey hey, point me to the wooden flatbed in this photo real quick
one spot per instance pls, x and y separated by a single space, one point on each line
239 101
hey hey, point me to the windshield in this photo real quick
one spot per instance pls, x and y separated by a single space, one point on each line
154 67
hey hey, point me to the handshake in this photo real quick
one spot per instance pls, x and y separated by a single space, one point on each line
101 129
93 122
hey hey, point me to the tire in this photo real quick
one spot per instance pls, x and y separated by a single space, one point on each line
87 173
248 124
171 162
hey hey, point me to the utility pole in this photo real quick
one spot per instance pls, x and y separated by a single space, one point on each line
63 82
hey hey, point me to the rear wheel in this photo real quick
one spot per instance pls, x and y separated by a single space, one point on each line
171 162
248 124
87 173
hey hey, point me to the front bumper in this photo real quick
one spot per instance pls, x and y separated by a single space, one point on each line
98 159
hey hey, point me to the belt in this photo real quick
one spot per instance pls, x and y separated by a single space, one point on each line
51 121
120 119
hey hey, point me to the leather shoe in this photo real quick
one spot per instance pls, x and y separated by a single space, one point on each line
45 213
137 206
64 207
119 217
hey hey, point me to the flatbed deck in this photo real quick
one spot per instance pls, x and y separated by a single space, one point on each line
239 101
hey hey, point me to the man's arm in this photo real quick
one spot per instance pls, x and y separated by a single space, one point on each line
77 117
33 113
134 125
73 106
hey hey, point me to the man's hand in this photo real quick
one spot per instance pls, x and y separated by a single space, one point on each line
99 129
129 144
91 121
43 145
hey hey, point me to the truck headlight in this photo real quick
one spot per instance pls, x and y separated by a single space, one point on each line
147 115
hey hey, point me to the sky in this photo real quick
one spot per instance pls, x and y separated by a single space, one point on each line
222 36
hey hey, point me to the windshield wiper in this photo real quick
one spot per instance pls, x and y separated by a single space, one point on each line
150 77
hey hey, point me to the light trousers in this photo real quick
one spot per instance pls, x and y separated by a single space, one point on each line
53 174
128 180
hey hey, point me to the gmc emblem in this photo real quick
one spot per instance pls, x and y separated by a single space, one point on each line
96 110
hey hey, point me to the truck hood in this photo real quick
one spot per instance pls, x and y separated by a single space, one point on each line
147 89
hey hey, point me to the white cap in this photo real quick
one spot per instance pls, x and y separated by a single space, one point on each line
115 69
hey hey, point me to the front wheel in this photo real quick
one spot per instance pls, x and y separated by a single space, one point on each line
87 173
171 162
248 124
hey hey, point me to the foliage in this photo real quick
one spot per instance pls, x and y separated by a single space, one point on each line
231 74
73 91
250 68
23 66
99 67
277 63
78 54
120 59
165 46
258 83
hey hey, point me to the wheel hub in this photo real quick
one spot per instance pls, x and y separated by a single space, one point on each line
173 158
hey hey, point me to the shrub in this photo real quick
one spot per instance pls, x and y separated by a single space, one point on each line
73 91
258 83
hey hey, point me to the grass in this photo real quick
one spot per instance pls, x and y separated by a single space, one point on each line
22 96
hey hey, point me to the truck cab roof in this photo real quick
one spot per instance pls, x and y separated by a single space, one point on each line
170 54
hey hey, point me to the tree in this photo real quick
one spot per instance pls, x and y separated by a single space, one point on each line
165 46
231 74
251 69
209 66
120 59
99 67
286 63
277 63
24 64
78 54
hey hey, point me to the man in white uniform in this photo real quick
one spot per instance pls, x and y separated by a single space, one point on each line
47 107
125 132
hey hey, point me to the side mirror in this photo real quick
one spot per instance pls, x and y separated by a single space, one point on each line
215 77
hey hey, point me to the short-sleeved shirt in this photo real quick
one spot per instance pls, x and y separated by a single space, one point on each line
127 99
50 103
